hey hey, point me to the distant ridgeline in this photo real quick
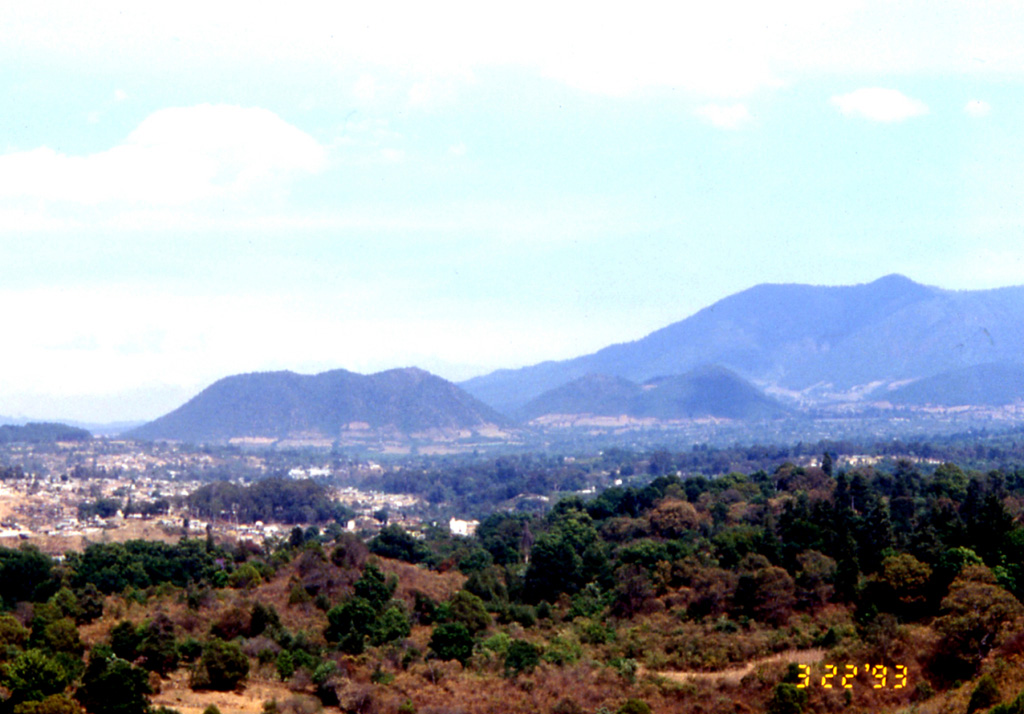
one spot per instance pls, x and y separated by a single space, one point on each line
42 433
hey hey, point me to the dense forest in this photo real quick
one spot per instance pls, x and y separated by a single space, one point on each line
861 590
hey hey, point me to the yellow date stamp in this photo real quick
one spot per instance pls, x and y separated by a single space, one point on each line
844 676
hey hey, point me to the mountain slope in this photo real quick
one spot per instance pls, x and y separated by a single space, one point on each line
703 392
281 404
799 337
982 385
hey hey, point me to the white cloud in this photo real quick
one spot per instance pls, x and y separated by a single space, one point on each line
120 95
977 108
175 156
878 104
365 88
732 116
727 48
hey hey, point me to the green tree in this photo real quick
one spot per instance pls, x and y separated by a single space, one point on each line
467 608
111 685
555 568
374 588
223 666
13 635
285 665
62 636
392 624
787 699
394 542
451 640
350 623
124 640
157 644
985 694
522 656
34 675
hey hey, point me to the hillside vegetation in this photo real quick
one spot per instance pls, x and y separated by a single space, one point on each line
746 592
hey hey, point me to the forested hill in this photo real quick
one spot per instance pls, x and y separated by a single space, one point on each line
280 404
799 337
41 433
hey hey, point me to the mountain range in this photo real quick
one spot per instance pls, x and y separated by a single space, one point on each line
762 353
812 343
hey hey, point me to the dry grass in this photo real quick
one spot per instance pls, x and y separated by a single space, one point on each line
175 693
735 674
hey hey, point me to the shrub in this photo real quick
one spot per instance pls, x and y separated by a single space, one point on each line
245 577
1014 707
634 706
985 694
522 656
189 649
53 704
285 665
787 699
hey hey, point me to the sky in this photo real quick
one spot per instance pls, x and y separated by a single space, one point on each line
193 190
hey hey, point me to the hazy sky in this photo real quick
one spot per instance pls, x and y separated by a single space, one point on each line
192 190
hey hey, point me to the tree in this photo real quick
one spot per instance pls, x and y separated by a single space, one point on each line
222 667
34 675
451 640
467 608
62 636
673 518
787 699
555 568
903 585
12 632
393 624
24 574
394 542
972 616
157 645
124 640
350 623
768 594
111 685
374 588
522 656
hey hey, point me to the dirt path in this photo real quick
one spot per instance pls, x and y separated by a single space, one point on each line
734 675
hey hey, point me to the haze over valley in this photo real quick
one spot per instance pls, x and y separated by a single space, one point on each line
918 356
